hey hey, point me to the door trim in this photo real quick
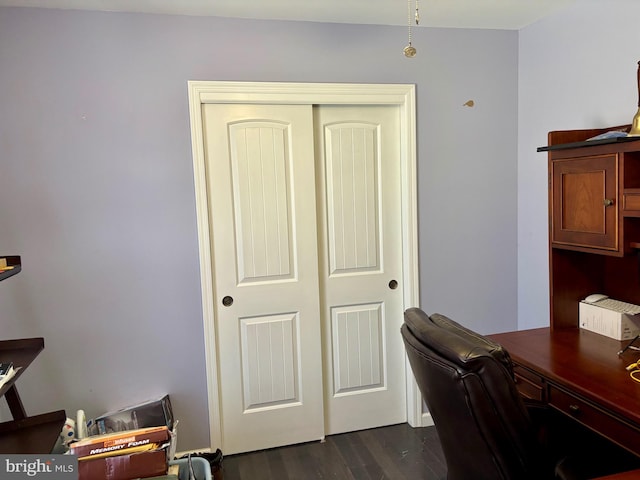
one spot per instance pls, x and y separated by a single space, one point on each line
402 95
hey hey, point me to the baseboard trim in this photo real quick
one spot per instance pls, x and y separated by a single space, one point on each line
427 420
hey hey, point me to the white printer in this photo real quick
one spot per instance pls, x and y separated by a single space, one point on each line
609 317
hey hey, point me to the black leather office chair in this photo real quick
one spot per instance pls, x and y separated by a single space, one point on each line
485 429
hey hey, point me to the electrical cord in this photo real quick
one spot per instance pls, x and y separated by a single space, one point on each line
634 371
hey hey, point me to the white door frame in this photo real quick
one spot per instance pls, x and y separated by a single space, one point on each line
202 92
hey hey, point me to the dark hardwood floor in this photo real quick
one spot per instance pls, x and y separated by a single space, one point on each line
388 453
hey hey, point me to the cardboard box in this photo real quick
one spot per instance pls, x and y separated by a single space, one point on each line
124 467
117 443
152 413
616 325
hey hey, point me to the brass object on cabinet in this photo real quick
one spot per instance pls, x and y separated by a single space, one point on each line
634 131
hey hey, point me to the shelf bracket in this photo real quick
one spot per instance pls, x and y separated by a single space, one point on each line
15 403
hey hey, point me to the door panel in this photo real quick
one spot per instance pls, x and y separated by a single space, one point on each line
261 195
357 338
260 177
352 197
358 155
269 362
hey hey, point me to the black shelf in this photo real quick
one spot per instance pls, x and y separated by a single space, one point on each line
13 262
21 352
24 434
32 435
588 143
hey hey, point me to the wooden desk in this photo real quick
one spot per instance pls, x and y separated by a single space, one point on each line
580 374
594 241
631 475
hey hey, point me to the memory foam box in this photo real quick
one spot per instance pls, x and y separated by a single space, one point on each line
117 443
152 413
616 325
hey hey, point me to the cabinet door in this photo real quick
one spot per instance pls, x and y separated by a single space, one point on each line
584 211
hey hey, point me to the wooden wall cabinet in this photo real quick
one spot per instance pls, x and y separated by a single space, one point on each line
584 211
594 220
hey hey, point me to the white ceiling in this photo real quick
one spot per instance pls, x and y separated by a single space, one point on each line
493 14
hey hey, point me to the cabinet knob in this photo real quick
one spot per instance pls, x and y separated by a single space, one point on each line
608 202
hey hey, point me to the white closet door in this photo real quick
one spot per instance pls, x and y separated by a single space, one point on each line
358 152
261 188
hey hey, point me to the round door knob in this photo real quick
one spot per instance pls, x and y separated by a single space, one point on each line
227 301
393 284
608 202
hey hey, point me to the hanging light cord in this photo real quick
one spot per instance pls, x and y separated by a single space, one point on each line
409 19
409 51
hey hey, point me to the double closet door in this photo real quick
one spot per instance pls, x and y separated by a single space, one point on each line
306 235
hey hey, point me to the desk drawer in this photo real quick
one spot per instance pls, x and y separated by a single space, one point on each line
591 416
529 384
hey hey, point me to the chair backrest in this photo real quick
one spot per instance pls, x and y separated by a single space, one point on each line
467 383
495 349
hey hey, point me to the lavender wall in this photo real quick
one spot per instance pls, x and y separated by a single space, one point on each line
577 70
97 194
